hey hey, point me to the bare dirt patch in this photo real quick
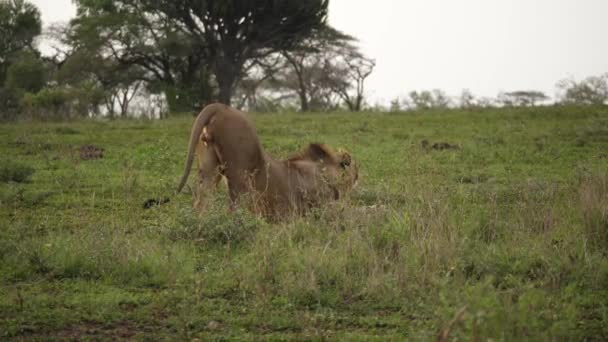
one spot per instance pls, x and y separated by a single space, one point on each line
116 331
89 152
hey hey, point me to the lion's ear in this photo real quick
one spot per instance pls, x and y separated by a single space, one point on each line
318 152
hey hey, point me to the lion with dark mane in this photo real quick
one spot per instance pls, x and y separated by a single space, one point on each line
226 144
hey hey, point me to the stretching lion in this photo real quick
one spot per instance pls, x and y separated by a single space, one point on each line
226 144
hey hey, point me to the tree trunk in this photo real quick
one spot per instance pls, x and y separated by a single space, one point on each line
225 91
298 68
109 103
350 104
124 103
304 106
227 75
358 103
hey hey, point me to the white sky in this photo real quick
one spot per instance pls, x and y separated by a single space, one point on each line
484 45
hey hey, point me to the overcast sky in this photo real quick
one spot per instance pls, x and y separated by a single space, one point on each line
486 46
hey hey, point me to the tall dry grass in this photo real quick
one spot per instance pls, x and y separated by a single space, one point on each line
342 253
593 203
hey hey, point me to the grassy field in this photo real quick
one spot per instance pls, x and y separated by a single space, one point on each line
503 234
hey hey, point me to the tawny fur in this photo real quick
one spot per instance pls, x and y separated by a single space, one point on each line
225 143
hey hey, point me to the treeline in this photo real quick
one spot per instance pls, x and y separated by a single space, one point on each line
592 90
119 57
148 58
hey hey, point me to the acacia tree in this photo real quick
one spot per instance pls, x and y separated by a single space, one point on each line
180 42
234 32
324 70
308 87
522 98
304 65
346 74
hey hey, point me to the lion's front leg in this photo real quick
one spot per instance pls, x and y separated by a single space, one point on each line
206 185
242 190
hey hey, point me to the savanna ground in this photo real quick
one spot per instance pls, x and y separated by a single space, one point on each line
502 235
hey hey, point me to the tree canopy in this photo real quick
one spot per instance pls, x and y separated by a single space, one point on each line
20 67
188 46
19 24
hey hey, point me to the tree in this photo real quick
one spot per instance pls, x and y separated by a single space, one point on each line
522 98
395 105
324 70
591 91
422 100
19 24
425 99
467 99
20 67
63 101
119 83
234 32
188 39
259 71
303 76
131 34
440 99
306 64
346 74
27 73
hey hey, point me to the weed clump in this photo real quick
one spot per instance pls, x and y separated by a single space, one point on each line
14 172
216 226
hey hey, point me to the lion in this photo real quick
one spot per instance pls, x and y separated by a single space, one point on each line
226 145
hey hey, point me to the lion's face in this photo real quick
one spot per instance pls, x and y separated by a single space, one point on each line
348 170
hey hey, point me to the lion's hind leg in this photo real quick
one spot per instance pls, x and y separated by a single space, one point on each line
208 175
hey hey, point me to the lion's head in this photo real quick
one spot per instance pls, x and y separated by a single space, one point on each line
350 170
339 167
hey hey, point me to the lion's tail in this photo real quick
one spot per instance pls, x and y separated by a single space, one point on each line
197 127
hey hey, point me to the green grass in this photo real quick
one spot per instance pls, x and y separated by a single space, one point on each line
510 230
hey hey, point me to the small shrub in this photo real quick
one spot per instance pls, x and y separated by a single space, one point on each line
62 102
14 172
217 225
